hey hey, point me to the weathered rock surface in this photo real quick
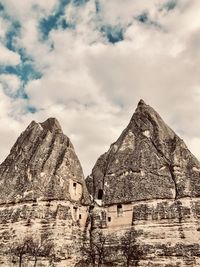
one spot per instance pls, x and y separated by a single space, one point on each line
40 165
148 161
42 192
148 181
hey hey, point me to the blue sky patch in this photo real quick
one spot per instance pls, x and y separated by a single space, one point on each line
13 29
80 2
64 24
54 21
1 7
26 70
97 6
114 34
170 5
143 18
31 109
12 33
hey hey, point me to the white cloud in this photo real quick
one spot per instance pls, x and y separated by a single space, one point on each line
193 145
10 125
10 82
8 57
3 27
23 10
116 11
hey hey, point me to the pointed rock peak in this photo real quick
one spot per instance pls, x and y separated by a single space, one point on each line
51 124
142 106
141 103
32 125
148 161
146 118
42 164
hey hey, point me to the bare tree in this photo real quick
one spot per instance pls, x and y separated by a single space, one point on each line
96 248
99 244
31 247
131 251
19 249
88 251
40 248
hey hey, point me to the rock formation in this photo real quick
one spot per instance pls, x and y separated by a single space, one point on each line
42 191
148 161
148 181
40 165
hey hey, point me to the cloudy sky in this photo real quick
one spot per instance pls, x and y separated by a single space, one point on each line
88 62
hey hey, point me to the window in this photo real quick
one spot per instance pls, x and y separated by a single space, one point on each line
109 219
119 210
75 212
80 216
133 217
74 188
100 194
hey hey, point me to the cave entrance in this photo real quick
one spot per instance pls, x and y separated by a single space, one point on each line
100 194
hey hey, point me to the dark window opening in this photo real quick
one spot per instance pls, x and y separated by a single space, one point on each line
109 219
74 188
119 210
48 204
80 216
133 217
100 194
91 208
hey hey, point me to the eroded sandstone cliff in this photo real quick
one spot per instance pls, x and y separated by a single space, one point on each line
40 165
148 182
42 192
148 161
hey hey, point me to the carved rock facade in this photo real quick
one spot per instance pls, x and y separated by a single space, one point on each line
148 180
43 192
